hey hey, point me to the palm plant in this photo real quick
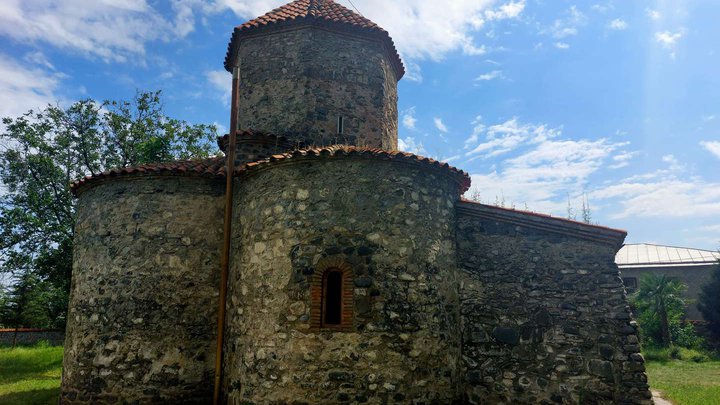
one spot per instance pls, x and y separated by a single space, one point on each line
659 302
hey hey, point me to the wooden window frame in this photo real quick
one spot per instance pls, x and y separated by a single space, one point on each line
318 299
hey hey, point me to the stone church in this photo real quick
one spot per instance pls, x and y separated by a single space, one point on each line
357 273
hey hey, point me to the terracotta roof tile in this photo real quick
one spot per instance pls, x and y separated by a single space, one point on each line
325 12
344 150
215 167
211 167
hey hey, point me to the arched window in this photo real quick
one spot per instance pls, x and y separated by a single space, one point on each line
332 295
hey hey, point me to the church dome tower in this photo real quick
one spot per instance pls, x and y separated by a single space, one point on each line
318 74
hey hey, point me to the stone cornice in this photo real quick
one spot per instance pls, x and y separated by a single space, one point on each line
547 223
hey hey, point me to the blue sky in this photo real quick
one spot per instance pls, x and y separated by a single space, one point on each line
541 101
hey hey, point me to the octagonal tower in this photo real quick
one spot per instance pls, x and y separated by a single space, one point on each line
318 74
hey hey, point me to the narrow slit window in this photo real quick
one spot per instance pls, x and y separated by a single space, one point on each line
340 125
332 298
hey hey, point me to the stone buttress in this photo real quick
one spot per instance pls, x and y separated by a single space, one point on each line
143 301
386 222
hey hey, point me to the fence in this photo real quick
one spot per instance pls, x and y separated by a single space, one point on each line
28 336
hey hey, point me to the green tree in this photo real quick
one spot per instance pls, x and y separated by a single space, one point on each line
41 153
660 306
709 303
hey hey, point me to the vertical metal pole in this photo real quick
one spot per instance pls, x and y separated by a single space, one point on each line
225 259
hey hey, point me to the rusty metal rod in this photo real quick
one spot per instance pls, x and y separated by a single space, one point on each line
227 228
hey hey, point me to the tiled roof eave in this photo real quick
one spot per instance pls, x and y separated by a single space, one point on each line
212 168
215 167
376 33
342 151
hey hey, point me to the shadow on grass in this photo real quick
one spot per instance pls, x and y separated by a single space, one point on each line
22 364
32 397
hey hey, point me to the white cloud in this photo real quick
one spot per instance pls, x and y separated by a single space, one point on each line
506 136
669 40
409 144
495 74
674 164
543 177
221 129
711 228
653 14
561 45
112 31
511 9
708 118
664 197
568 25
222 82
408 118
662 194
439 125
413 72
478 129
602 8
712 147
445 26
622 159
39 58
618 24
26 87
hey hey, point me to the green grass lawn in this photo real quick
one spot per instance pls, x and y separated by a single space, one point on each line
30 375
685 382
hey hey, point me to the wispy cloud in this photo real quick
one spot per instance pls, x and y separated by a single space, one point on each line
446 26
653 14
618 24
568 25
112 31
408 118
409 144
221 81
666 197
669 40
439 125
712 147
511 9
495 74
505 137
622 159
663 193
29 87
562 45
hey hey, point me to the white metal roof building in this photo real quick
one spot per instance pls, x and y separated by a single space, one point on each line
645 254
692 267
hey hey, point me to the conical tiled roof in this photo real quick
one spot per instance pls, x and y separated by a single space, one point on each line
317 12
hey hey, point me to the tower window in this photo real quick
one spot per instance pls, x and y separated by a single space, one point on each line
332 298
340 124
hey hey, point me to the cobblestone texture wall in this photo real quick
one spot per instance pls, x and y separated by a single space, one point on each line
296 83
141 325
545 318
393 225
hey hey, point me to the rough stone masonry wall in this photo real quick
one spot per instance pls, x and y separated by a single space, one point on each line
393 225
141 323
296 83
545 318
